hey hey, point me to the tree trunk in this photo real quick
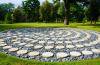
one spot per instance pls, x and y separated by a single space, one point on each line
95 22
67 11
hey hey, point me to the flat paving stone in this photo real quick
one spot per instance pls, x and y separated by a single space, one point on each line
85 52
70 46
47 54
21 52
1 40
13 49
75 54
96 51
7 47
49 47
61 54
21 44
79 46
38 46
33 53
50 42
1 45
41 42
29 45
60 47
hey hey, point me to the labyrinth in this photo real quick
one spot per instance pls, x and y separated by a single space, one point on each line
51 44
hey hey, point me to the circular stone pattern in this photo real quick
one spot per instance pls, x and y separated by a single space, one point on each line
51 44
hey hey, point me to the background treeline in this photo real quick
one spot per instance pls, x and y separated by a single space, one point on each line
32 11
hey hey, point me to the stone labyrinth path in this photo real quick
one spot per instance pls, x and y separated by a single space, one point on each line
51 44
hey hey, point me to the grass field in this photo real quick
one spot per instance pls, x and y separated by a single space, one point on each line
9 60
50 25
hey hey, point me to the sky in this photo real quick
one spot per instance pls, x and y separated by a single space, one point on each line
18 2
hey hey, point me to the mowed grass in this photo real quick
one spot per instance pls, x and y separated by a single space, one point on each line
10 60
86 26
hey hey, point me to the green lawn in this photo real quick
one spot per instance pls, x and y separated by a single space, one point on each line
51 25
9 60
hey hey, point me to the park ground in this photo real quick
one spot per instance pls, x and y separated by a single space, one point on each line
10 60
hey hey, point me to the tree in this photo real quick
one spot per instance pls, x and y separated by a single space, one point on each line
5 9
61 11
18 15
77 12
8 18
56 4
67 11
93 12
31 8
46 11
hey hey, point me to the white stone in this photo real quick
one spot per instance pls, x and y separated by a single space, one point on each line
1 45
38 46
29 40
61 39
18 42
21 44
13 49
25 39
29 45
50 42
34 41
96 51
79 46
59 42
68 42
19 33
21 52
34 53
59 47
85 52
75 41
1 40
61 55
95 42
47 54
14 37
7 47
75 54
49 47
14 40
87 44
47 38
70 46
41 42
27 35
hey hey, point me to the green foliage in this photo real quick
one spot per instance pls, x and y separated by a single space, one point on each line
77 12
61 11
18 15
8 18
93 12
4 9
31 7
46 11
58 11
10 60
